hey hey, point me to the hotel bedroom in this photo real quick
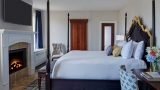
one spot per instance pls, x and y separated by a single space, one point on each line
95 13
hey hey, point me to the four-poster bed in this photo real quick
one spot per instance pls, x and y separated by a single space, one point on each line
48 50
153 22
140 34
137 33
68 36
125 24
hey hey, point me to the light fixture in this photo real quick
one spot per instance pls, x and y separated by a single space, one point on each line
120 37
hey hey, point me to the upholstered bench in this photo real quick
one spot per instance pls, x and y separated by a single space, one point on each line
42 72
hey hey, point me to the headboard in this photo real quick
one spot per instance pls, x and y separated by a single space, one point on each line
138 33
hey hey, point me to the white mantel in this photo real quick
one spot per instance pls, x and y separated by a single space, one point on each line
10 37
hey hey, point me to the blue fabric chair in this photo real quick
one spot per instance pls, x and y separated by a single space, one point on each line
128 80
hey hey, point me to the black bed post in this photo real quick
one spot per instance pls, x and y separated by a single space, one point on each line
48 50
68 35
153 22
125 26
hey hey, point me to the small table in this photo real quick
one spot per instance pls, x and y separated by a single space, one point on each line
153 85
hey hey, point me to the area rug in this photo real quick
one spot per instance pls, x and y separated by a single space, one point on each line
34 85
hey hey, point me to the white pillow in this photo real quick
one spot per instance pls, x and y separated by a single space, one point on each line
135 44
138 50
121 43
127 50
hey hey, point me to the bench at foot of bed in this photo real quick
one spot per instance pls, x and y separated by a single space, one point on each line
42 72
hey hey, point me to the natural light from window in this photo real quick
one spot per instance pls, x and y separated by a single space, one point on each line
33 21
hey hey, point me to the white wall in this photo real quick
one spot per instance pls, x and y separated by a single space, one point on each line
10 26
142 9
157 29
58 25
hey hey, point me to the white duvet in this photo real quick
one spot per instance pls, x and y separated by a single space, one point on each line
92 65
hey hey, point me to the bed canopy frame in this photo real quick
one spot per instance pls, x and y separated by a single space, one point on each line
76 84
48 50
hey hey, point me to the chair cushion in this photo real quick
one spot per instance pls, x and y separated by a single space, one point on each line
57 55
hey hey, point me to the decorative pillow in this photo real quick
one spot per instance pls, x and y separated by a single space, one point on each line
139 50
109 50
115 46
121 43
116 50
127 50
134 47
56 48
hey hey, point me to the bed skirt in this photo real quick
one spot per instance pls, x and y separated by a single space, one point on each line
68 84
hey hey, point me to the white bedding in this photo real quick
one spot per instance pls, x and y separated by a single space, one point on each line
92 65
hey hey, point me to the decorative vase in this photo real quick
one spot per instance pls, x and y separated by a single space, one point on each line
158 65
154 67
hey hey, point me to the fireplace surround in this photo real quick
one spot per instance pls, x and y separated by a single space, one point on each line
8 38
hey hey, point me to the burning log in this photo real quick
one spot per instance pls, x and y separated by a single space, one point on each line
15 65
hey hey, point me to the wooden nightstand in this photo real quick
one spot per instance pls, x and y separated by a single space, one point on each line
153 85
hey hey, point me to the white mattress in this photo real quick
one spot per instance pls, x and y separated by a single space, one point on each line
92 65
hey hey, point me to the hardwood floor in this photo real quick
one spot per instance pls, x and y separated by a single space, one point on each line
25 82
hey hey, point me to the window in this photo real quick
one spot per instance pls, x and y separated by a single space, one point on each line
37 27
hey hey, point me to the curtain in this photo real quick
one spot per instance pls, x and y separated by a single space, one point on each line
38 29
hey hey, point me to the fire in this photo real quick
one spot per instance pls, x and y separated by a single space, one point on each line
15 65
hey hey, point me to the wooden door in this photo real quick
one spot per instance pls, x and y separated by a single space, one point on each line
74 36
78 34
103 34
82 36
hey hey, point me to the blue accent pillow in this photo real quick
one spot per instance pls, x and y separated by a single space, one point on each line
109 50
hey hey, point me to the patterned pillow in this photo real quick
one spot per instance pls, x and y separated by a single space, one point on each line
109 50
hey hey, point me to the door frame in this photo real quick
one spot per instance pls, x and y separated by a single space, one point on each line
103 34
100 31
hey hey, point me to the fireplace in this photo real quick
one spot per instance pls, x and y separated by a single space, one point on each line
17 60
12 40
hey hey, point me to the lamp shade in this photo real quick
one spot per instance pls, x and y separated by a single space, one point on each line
119 37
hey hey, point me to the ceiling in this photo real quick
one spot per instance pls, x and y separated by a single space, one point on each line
80 5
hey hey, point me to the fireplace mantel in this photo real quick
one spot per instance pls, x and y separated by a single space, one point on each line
7 38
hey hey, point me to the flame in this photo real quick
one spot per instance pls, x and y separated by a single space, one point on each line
15 65
15 61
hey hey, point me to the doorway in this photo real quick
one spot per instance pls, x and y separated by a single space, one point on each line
107 35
